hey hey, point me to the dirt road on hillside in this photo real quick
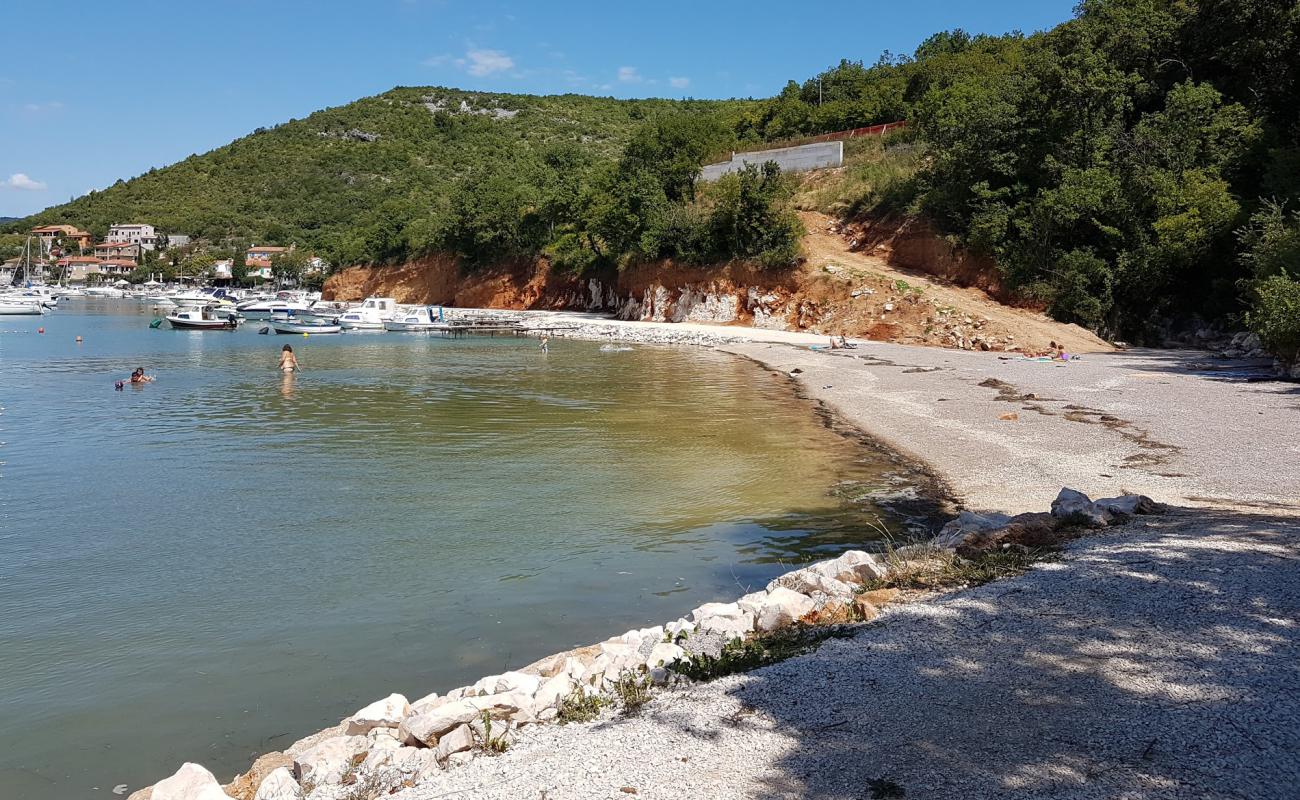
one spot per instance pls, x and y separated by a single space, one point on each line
910 307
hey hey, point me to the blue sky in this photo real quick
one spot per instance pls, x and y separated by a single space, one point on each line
95 91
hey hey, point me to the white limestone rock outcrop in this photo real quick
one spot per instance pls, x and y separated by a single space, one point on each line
190 782
386 713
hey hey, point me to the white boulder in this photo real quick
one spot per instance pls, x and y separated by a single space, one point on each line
502 706
783 607
809 580
552 692
330 760
666 653
517 682
384 738
678 627
854 566
458 740
409 761
190 782
730 627
425 728
279 784
710 610
386 713
429 702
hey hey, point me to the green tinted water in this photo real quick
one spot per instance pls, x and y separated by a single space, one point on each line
214 565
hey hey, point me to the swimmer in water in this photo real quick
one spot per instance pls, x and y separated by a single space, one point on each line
288 361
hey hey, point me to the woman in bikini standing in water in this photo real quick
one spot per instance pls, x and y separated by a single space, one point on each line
288 361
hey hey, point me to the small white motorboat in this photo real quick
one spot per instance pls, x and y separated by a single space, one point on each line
370 315
203 318
304 326
19 307
40 294
270 307
421 319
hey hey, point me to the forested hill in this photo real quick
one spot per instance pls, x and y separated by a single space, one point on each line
1136 165
373 180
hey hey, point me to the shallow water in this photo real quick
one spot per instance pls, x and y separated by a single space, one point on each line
211 566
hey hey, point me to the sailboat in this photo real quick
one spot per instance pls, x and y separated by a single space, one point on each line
24 298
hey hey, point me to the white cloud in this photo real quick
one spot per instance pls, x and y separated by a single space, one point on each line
486 62
629 75
53 105
20 181
679 83
476 61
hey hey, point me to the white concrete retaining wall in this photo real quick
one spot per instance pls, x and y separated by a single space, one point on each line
790 159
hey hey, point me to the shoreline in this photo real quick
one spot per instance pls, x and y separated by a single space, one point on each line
770 350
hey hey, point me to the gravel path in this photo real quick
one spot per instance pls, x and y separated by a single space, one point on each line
1179 426
1161 660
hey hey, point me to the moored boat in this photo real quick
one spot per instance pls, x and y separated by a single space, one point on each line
269 307
17 307
203 318
421 319
370 315
304 326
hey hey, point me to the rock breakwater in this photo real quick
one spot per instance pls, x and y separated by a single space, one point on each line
395 743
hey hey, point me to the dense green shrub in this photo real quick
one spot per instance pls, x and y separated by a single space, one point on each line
1275 316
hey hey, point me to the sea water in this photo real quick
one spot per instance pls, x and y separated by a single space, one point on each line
208 567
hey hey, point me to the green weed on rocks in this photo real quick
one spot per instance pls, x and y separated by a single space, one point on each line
943 569
578 706
743 655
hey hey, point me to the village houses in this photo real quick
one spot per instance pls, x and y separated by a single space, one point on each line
133 233
47 235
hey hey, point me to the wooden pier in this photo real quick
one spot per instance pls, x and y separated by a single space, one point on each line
493 327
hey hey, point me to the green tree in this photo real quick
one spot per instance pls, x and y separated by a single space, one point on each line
288 267
749 219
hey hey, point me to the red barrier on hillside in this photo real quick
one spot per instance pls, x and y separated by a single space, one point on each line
873 130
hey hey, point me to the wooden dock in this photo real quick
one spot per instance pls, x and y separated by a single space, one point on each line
494 327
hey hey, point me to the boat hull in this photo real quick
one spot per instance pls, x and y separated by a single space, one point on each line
304 327
202 324
412 327
21 309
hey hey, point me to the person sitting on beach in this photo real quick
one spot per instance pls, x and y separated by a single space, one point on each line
288 361
834 344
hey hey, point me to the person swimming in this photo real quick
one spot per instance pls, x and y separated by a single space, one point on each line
137 378
288 361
